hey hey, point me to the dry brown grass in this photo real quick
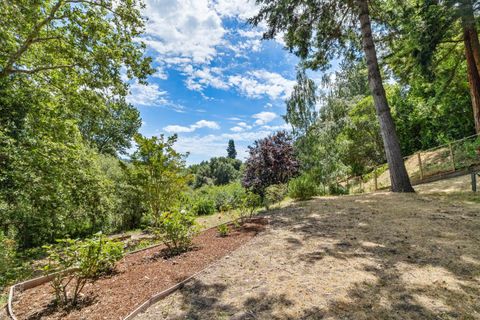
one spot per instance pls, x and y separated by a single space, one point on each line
376 256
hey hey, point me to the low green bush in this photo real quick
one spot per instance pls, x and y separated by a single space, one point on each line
274 194
176 229
225 198
203 206
76 262
337 189
250 202
302 188
223 230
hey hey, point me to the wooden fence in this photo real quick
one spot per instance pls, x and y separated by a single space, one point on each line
458 156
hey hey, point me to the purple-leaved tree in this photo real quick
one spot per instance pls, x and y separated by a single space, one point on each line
271 161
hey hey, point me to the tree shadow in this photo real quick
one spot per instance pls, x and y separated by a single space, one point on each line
439 246
53 309
425 263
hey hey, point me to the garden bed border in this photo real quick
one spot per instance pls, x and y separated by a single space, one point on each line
28 284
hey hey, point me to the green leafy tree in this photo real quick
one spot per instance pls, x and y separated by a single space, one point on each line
314 32
436 41
231 152
84 41
160 171
110 126
62 101
217 171
360 139
302 104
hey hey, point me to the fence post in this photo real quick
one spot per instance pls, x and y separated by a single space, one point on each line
452 156
420 165
474 181
375 178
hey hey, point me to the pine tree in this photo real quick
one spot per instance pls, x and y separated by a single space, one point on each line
231 152
319 31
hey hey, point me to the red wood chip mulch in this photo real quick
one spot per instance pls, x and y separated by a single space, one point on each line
138 276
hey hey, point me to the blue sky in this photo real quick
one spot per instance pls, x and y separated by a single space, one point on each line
216 79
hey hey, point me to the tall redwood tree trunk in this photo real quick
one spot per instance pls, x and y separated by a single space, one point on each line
472 55
400 182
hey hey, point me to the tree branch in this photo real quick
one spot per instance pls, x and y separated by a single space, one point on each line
28 41
44 68
42 39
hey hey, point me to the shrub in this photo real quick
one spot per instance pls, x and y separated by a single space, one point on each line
76 262
337 189
203 206
225 197
98 255
274 194
223 230
8 260
302 188
250 202
176 229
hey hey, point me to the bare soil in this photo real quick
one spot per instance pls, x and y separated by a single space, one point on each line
137 277
375 256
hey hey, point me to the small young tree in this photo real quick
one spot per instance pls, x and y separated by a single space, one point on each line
231 152
271 161
159 170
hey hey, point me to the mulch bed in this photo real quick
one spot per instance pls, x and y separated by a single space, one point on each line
137 277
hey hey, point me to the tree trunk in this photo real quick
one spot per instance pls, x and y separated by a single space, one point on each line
400 182
472 55
473 79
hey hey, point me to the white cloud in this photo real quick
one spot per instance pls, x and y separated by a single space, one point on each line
259 83
237 129
244 125
197 125
198 79
281 127
241 126
183 30
253 33
215 145
146 95
237 9
160 74
264 117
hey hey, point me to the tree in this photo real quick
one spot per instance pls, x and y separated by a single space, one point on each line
472 54
110 126
316 34
82 40
160 172
301 106
429 32
271 161
63 65
231 152
216 171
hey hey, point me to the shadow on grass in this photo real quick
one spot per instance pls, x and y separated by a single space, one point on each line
426 261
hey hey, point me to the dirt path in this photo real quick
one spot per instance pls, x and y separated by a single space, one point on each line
377 256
